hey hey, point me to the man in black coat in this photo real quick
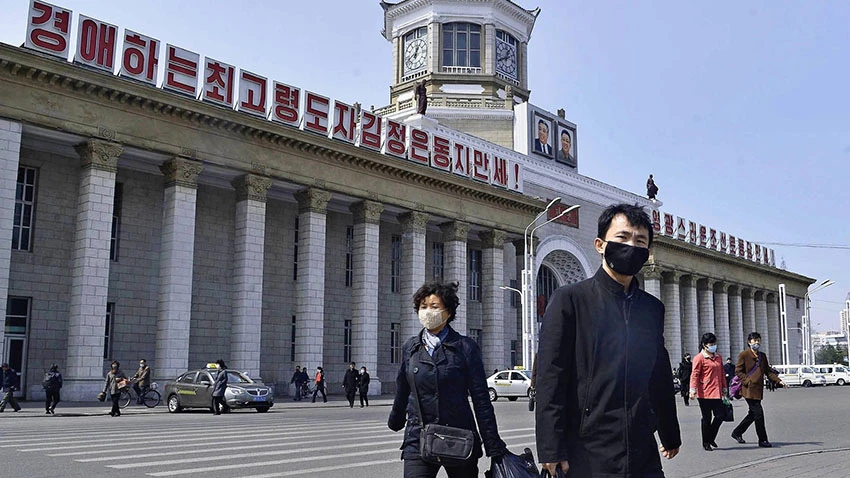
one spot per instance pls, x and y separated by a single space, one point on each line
363 386
9 383
729 370
604 382
349 383
299 380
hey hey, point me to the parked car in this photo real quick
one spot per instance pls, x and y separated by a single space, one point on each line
510 383
193 389
799 375
836 374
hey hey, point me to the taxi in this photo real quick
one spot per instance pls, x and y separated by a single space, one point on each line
510 383
194 388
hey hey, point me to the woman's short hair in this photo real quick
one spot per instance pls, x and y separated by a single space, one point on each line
707 338
447 292
221 363
754 336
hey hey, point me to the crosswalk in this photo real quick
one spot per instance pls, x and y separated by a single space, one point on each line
163 447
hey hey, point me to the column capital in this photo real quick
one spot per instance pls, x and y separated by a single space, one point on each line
652 272
313 200
770 297
368 212
722 286
672 276
414 221
707 282
493 238
99 154
733 289
746 292
251 186
519 245
688 280
181 171
454 231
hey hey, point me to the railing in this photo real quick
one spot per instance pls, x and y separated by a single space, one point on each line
462 70
442 101
415 75
507 78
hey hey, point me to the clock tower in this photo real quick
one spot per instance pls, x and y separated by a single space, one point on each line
472 56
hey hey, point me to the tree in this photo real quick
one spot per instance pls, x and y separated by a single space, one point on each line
831 354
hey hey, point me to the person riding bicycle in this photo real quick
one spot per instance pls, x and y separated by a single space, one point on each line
141 380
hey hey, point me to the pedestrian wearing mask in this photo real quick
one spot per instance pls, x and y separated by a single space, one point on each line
685 368
349 383
320 385
141 381
708 385
52 384
751 369
219 387
298 381
111 386
363 387
729 370
440 371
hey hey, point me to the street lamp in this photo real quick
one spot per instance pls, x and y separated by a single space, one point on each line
847 333
808 356
529 330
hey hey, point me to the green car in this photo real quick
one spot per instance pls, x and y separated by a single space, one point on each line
194 389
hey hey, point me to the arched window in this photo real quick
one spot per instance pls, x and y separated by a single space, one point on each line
462 45
547 282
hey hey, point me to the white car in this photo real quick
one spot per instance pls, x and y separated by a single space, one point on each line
835 373
509 383
799 375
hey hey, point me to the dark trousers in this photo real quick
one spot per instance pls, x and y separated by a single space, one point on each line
319 388
364 396
685 396
349 394
116 410
755 414
9 398
416 468
51 400
140 393
710 427
219 404
299 390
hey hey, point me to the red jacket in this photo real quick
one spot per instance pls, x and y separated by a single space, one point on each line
707 377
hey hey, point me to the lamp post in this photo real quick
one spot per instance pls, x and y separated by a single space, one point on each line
529 330
808 356
847 332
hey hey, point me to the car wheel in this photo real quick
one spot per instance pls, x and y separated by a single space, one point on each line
807 383
493 396
262 409
174 404
840 382
512 399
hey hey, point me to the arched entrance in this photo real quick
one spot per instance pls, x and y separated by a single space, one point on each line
558 268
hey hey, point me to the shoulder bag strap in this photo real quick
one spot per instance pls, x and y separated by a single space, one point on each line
412 380
758 362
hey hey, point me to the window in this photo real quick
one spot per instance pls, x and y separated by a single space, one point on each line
349 256
513 353
295 253
116 222
518 376
346 342
514 295
475 275
108 329
437 260
17 315
24 209
292 340
462 45
798 302
503 376
187 377
395 344
395 284
475 334
546 285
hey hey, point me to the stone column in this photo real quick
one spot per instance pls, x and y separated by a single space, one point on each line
413 227
652 281
672 319
248 250
774 329
761 319
10 153
748 312
690 315
705 297
90 269
310 284
177 251
454 239
367 220
488 59
736 327
721 320
493 269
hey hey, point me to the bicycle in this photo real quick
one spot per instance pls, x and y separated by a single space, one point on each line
150 399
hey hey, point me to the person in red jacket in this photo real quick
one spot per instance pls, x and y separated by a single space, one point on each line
708 385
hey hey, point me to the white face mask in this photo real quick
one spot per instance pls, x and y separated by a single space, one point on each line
431 318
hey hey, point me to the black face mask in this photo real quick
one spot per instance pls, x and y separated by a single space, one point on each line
625 259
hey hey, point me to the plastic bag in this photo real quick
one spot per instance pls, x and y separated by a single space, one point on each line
730 412
513 466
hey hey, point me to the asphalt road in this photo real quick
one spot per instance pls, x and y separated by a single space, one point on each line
332 440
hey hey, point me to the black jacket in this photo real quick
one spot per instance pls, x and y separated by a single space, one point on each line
604 382
350 380
10 379
364 382
220 384
457 367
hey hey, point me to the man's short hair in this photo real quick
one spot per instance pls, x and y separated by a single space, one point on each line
754 336
635 215
566 132
542 122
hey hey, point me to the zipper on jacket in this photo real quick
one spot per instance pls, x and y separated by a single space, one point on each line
627 310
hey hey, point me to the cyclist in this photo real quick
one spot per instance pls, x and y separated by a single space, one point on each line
141 381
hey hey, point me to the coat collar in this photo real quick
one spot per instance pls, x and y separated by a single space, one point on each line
452 340
602 278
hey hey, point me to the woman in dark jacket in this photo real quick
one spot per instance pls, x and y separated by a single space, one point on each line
447 368
110 386
219 387
685 368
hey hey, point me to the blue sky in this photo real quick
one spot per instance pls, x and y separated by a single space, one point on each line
739 109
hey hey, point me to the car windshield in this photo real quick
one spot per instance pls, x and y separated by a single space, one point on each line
237 377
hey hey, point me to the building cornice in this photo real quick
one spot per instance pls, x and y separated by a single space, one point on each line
395 11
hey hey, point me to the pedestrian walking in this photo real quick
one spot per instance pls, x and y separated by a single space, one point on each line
113 384
52 383
440 370
141 381
684 374
363 387
751 369
320 385
604 383
729 370
219 387
299 381
9 383
708 385
350 382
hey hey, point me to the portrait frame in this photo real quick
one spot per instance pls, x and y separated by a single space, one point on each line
571 158
535 145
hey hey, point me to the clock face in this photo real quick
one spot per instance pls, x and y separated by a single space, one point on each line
414 54
506 61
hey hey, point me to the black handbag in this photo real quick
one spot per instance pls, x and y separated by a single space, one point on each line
441 444
730 412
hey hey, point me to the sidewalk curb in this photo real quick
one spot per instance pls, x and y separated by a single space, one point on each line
768 460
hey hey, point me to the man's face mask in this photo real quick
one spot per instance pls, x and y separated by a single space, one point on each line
625 259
